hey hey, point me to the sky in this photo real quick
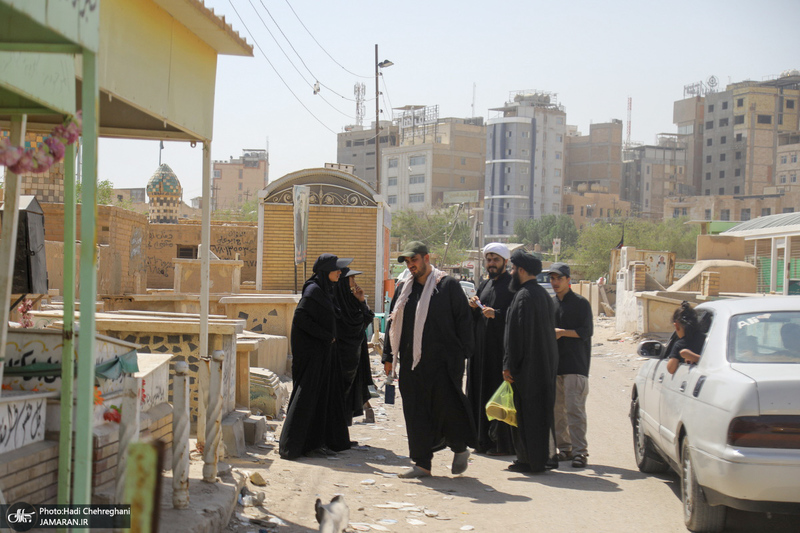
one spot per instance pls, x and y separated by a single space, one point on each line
593 55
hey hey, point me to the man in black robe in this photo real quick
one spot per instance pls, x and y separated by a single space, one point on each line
530 363
429 335
485 369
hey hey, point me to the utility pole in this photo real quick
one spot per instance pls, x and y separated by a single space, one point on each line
377 127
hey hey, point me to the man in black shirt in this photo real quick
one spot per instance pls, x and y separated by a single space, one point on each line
574 329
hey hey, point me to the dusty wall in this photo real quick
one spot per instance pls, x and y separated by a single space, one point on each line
720 247
227 239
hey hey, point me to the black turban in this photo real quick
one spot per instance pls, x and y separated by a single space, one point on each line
526 261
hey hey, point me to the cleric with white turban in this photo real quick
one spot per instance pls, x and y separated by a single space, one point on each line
497 248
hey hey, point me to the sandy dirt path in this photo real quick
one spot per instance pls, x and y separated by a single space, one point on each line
610 495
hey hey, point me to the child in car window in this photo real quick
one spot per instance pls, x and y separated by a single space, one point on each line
690 338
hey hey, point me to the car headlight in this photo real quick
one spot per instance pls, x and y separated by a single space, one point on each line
768 431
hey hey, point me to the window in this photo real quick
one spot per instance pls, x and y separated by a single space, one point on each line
525 170
217 173
764 119
740 102
789 104
557 173
710 108
508 151
685 211
737 172
416 160
525 151
526 134
187 252
766 211
745 215
556 189
556 208
738 155
416 178
392 199
558 155
348 144
788 209
508 134
560 138
738 119
240 185
794 158
392 181
240 173
709 142
370 153
709 124
721 174
507 187
370 141
736 190
463 180
559 120
581 210
359 142
793 178
708 175
508 170
417 198
723 122
393 163
721 191
725 214
783 160
783 178
676 212
570 209
463 160
738 137
724 105
722 157
647 186
708 159
708 192
723 140
708 214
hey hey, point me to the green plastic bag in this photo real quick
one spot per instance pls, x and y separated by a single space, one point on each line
501 405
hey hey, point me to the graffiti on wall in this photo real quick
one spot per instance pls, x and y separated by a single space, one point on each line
21 423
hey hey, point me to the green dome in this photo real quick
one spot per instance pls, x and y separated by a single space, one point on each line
164 183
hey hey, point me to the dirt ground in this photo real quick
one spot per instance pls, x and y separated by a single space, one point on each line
609 495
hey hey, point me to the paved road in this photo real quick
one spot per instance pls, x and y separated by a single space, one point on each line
609 495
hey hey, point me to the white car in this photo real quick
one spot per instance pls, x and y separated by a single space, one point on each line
729 425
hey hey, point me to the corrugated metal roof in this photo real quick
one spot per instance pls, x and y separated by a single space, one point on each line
783 220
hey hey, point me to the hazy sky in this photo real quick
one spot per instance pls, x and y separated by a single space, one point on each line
593 54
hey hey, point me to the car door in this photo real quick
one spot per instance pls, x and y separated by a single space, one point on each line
677 396
651 404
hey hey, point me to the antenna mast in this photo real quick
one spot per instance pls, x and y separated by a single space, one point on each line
473 99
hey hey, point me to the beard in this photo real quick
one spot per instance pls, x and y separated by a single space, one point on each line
494 272
420 272
516 283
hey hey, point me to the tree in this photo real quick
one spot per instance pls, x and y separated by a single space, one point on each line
434 227
104 192
248 212
542 231
593 249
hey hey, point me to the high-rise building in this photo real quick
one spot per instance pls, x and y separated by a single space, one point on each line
435 158
524 161
237 181
651 173
594 162
356 146
688 115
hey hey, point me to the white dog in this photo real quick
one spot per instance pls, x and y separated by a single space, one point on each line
333 517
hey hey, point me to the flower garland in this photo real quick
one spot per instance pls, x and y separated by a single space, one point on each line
41 158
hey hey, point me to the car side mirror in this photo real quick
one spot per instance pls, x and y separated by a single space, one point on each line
650 349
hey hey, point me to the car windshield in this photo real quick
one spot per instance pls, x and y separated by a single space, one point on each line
765 338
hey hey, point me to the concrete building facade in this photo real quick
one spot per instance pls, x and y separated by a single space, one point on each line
774 201
593 162
237 181
356 146
651 173
788 166
688 115
419 173
524 162
586 208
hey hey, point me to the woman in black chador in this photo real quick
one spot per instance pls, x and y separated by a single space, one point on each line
314 424
351 343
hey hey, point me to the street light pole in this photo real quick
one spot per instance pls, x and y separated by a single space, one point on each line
378 65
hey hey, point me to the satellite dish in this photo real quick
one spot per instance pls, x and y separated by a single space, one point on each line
712 82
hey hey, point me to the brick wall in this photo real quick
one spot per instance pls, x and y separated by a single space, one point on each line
122 239
46 186
227 239
344 231
30 473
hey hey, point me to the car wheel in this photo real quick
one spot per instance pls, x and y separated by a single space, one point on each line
698 515
647 458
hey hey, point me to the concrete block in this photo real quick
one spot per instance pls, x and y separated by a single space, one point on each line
233 434
267 393
255 429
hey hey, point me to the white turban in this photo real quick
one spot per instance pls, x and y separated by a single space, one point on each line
497 248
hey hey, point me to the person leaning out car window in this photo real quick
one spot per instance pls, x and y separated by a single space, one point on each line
690 338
